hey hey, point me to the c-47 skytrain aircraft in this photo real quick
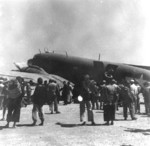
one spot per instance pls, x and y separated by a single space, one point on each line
61 67
73 68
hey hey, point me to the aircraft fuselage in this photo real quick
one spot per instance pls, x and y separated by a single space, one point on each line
73 68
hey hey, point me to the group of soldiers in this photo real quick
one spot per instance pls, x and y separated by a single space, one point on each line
105 96
109 94
17 93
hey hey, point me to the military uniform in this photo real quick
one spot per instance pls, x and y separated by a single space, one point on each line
85 93
39 99
134 90
15 94
128 102
94 94
109 104
102 95
52 96
146 94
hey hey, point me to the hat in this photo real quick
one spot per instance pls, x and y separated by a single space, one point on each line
104 81
1 81
86 76
113 80
146 84
131 81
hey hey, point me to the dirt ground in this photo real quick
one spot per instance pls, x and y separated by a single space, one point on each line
64 129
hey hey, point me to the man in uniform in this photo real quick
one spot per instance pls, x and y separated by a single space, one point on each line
85 93
39 99
103 94
117 89
15 94
146 94
128 100
64 92
5 99
1 95
134 90
94 94
52 95
109 103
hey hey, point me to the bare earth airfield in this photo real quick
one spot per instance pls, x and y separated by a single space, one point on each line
65 130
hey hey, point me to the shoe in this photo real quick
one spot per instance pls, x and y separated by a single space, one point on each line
93 123
83 123
34 123
125 118
134 118
42 123
6 126
14 126
57 112
112 123
107 123
2 119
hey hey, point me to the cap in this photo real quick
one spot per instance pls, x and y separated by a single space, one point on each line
131 81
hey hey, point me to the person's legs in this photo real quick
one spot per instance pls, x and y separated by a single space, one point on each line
51 106
82 111
56 105
138 105
106 114
112 113
90 112
41 115
97 104
34 114
132 113
125 114
10 111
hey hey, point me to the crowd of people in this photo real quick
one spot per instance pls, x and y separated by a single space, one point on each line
109 95
16 93
106 96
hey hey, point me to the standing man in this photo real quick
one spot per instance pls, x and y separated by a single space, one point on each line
109 103
94 94
52 96
103 94
146 94
1 94
134 90
85 93
69 93
128 101
117 89
64 92
39 99
15 94
138 97
5 99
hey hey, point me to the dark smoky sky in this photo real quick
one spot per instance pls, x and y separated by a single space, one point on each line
117 29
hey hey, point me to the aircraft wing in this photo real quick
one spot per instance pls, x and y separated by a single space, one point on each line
33 76
33 72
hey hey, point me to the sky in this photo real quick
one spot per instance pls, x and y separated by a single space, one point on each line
117 29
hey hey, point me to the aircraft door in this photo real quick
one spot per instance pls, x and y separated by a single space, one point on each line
112 70
98 71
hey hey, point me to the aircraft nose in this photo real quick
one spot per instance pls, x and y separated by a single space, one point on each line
29 62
